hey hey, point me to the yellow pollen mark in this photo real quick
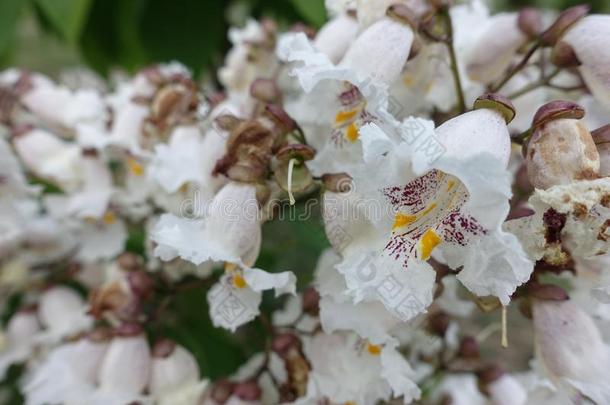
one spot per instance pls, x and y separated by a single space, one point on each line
408 79
184 188
136 168
349 403
428 209
90 219
427 243
230 267
374 350
239 281
343 116
403 219
450 185
352 132
109 218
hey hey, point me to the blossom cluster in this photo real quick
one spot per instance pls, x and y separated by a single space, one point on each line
460 165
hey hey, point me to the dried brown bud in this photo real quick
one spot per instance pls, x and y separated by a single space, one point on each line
561 148
265 90
469 348
530 21
498 103
564 21
311 301
402 13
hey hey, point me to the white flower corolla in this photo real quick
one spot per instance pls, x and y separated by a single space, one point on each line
235 299
506 390
453 210
335 37
174 378
348 369
13 182
50 157
496 48
58 106
229 232
188 158
125 370
21 331
570 221
571 349
91 200
251 57
461 389
68 375
63 313
588 38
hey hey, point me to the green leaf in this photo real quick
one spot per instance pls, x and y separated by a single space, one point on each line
313 11
10 11
67 17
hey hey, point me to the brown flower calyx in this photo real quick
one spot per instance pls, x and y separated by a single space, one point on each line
558 109
497 103
563 55
297 151
564 21
402 13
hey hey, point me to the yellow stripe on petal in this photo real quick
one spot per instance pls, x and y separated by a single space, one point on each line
450 185
109 218
343 116
428 209
374 350
352 132
427 243
239 281
403 219
136 168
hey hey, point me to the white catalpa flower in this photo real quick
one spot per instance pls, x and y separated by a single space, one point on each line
454 209
67 375
236 298
63 313
347 369
20 335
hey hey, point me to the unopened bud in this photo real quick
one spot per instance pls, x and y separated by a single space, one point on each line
280 117
563 55
438 323
284 343
561 149
22 326
469 348
564 21
173 369
497 103
338 182
530 21
248 391
311 301
265 90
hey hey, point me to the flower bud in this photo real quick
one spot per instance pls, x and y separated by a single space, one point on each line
248 391
563 55
506 390
530 21
58 307
22 327
140 283
561 150
335 37
438 323
311 301
469 348
265 90
488 375
172 367
337 182
571 349
222 390
564 21
284 343
601 137
126 364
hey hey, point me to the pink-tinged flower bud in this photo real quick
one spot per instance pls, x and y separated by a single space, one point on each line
335 37
311 301
571 348
171 369
495 49
283 344
561 149
126 364
387 42
588 40
22 327
601 137
564 21
469 348
529 21
563 55
58 306
248 391
265 90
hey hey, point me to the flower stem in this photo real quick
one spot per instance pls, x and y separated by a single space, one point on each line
545 81
457 81
517 67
